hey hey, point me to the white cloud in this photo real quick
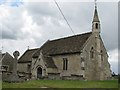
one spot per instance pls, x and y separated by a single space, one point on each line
30 28
20 45
113 55
5 11
113 59
70 1
11 22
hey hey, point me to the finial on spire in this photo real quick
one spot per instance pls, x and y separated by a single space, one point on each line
95 4
28 47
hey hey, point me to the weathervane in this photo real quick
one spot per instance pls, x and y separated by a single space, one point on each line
95 3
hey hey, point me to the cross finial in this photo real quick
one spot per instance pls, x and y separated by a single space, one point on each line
28 47
95 3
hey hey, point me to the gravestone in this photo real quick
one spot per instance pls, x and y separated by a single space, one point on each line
15 54
14 76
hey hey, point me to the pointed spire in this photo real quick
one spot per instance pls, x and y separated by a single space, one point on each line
96 18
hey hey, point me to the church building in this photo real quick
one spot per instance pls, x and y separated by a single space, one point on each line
78 57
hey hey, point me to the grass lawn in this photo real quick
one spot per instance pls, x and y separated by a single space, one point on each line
62 84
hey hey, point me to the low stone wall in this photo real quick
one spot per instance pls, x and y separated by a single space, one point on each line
5 75
54 76
25 76
72 77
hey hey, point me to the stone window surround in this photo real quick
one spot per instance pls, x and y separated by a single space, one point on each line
65 64
92 52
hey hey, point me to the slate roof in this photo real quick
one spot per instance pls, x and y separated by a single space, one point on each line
67 45
8 60
27 56
49 62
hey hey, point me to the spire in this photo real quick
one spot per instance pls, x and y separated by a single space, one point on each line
96 22
96 18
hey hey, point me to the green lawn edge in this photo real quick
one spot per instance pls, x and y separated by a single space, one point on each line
62 84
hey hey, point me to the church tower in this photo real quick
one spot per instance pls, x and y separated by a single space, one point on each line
96 34
96 22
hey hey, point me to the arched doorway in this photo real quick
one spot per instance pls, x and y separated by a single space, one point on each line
39 72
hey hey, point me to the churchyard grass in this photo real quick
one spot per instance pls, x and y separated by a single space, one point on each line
62 84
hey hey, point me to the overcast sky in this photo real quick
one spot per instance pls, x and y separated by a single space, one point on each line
24 24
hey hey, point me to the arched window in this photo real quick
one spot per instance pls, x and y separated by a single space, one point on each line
92 53
96 25
65 63
101 55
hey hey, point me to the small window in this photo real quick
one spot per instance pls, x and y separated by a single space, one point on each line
65 63
92 53
96 25
82 68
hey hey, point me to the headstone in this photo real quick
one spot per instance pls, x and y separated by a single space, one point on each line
15 54
14 76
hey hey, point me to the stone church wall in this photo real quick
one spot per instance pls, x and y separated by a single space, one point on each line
24 71
74 64
5 75
73 77
53 76
22 67
95 69
90 64
36 63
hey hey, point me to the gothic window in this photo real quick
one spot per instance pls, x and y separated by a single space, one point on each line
92 53
96 25
65 63
82 62
101 55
